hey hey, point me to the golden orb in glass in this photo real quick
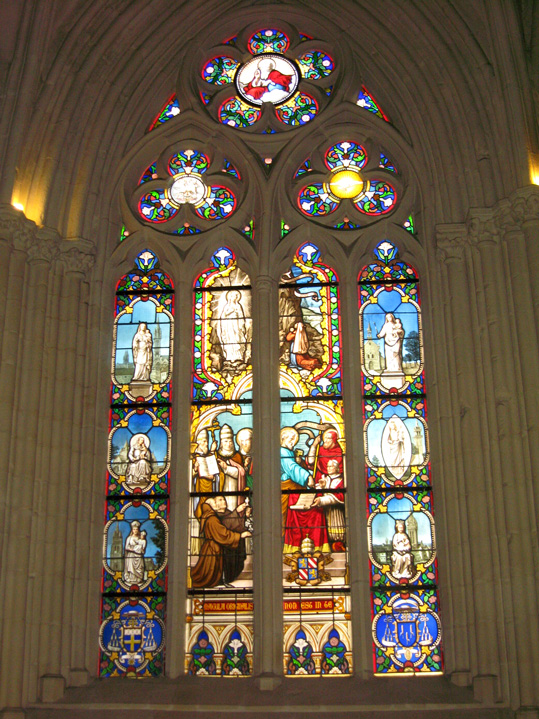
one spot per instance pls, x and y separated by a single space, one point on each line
346 184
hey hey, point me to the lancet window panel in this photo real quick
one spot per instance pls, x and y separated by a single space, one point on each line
135 537
406 627
219 629
317 638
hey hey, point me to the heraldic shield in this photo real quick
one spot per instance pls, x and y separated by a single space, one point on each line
308 568
406 627
411 629
132 636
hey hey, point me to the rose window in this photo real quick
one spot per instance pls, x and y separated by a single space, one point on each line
279 73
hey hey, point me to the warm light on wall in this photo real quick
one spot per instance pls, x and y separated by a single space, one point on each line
18 206
534 169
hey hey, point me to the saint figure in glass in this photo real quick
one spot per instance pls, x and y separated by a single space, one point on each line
139 468
135 547
142 353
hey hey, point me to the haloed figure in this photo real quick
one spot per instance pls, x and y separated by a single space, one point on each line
267 80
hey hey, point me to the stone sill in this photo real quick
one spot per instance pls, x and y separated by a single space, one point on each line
208 697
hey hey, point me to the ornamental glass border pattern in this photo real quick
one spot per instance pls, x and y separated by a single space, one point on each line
135 537
406 628
316 582
219 611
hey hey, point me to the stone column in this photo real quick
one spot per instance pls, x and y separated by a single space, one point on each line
78 263
520 265
267 574
469 532
455 573
45 597
42 327
89 466
525 209
180 478
25 480
360 593
15 235
499 398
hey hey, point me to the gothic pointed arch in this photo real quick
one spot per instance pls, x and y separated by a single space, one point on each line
260 157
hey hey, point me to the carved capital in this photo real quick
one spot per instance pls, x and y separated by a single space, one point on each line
41 251
482 229
521 207
525 203
505 217
44 246
15 229
451 241
77 260
265 283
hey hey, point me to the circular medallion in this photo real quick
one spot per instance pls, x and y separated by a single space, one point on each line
187 188
346 184
267 78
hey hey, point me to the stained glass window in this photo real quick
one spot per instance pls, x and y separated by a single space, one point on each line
304 168
345 182
124 233
219 638
408 224
406 627
269 76
367 102
268 41
170 109
297 111
220 70
386 163
135 540
315 65
161 199
230 169
316 577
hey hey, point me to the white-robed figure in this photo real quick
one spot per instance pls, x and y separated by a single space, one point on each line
142 346
135 547
392 333
401 558
231 469
231 328
139 469
332 500
394 447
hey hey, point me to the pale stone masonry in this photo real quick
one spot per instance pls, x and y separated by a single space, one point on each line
80 83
